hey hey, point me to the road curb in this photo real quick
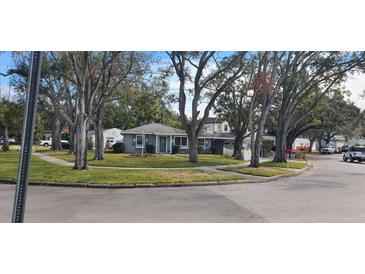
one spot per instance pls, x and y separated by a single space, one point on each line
154 185
296 173
157 185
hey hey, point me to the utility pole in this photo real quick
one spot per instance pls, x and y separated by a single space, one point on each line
27 138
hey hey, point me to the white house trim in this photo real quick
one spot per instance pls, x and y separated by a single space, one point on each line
156 147
181 146
170 144
139 146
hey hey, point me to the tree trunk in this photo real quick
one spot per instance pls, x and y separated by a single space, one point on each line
255 154
320 143
290 141
311 141
280 147
328 138
99 134
237 148
6 139
81 147
193 147
256 147
282 132
71 148
56 132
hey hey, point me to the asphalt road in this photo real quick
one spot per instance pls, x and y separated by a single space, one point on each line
333 191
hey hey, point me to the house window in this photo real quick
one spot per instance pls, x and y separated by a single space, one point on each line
201 142
139 141
219 127
225 127
181 141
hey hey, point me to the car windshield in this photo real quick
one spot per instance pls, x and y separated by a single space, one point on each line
358 149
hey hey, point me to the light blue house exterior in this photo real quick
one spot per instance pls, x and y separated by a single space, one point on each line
163 138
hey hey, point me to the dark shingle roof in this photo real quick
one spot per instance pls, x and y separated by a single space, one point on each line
211 120
217 135
154 128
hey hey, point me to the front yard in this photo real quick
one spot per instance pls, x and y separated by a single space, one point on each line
42 171
268 169
151 160
294 165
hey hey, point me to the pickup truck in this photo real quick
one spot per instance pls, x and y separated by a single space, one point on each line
46 143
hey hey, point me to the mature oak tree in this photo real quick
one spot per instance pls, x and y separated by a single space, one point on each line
236 105
303 73
266 86
202 69
125 69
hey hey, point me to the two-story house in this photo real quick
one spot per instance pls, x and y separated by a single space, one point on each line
216 125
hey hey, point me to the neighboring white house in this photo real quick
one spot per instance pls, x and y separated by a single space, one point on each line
301 142
215 125
111 135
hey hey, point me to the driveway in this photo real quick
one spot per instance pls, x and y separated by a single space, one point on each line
333 191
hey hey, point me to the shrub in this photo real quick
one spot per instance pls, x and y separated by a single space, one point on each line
150 148
200 150
214 150
5 148
175 149
118 148
300 155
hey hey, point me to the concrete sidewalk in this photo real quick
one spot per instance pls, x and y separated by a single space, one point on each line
244 178
53 160
61 162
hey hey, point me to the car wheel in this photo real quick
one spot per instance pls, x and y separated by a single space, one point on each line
351 160
344 158
46 145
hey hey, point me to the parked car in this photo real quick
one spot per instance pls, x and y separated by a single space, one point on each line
355 153
65 144
12 141
345 148
45 143
328 150
338 149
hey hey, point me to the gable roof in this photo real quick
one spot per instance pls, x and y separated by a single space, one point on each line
155 128
92 132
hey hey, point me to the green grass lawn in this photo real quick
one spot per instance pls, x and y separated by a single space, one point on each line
295 165
260 171
151 160
35 148
42 171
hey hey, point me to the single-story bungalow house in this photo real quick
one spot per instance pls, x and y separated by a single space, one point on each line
216 138
164 137
111 135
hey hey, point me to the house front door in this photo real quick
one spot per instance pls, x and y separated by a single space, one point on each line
163 144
